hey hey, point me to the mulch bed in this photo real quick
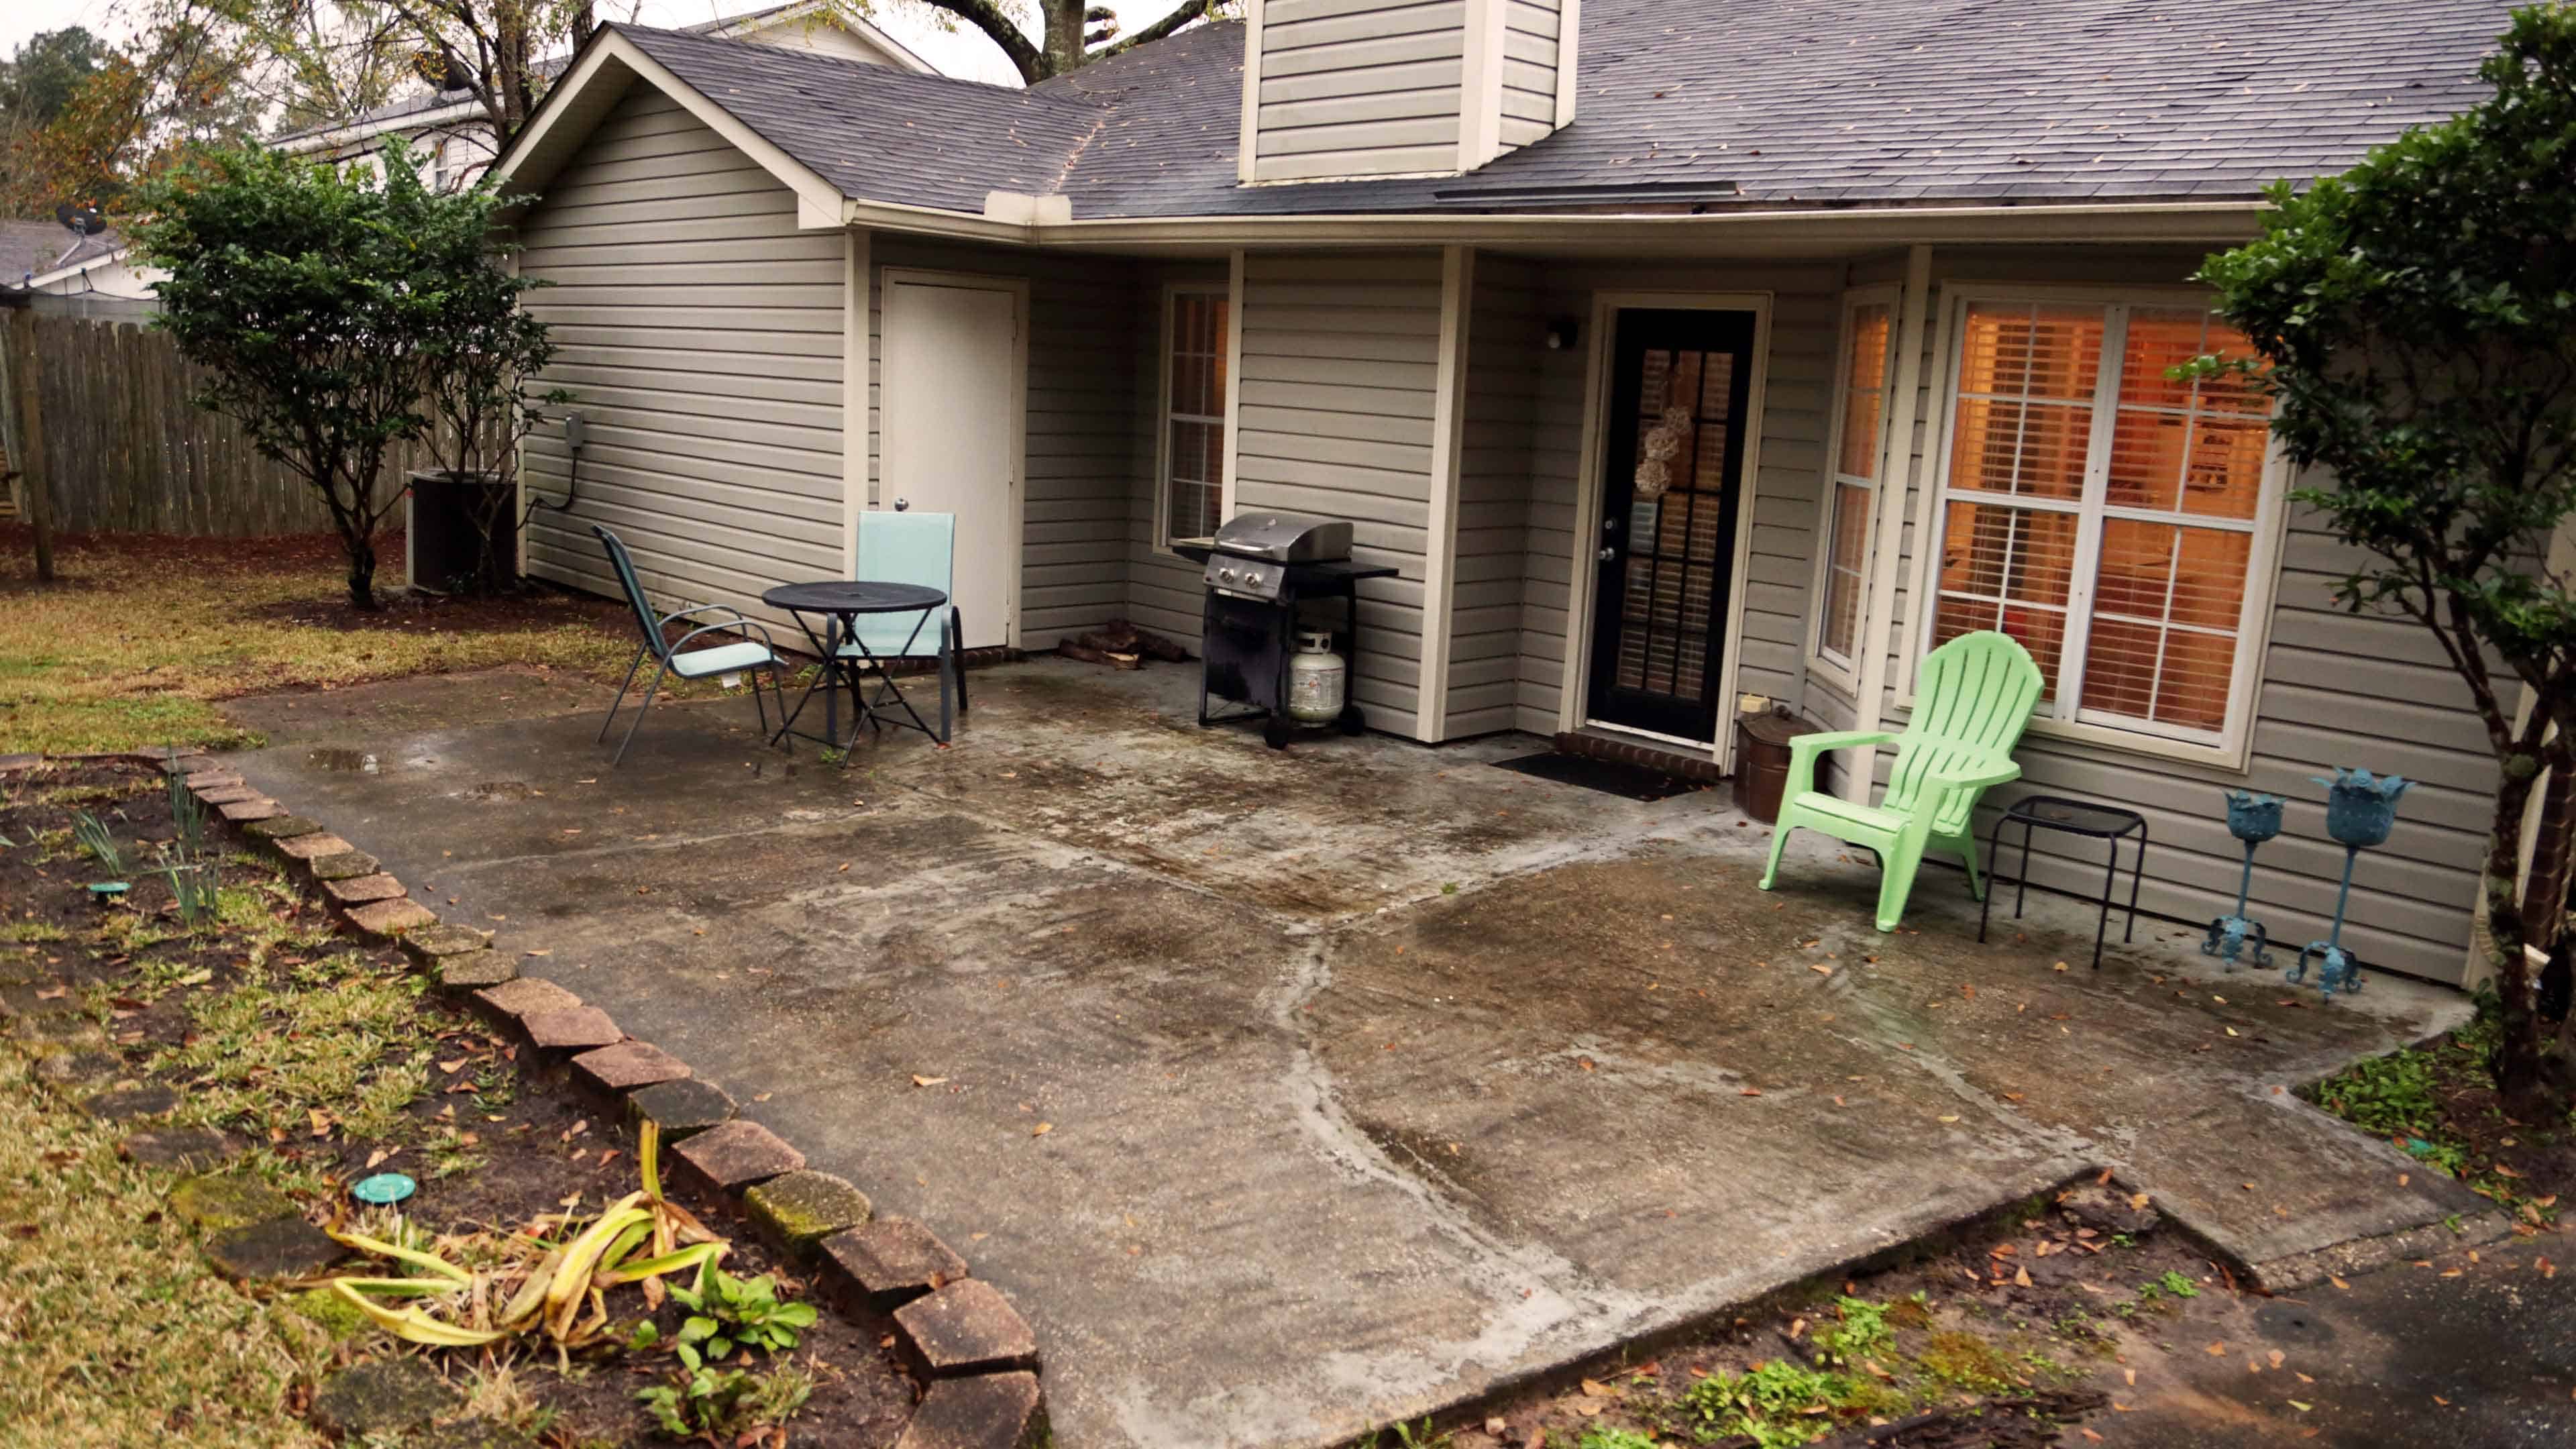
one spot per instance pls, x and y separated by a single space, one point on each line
538 1137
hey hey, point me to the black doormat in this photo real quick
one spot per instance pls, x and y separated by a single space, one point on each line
1611 777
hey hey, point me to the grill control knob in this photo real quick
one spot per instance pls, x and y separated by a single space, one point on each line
1225 576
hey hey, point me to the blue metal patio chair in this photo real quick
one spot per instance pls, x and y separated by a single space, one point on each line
744 657
914 548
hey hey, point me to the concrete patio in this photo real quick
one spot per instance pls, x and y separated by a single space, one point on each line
1376 1077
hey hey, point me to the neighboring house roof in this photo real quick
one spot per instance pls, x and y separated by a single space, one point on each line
431 107
1726 103
34 248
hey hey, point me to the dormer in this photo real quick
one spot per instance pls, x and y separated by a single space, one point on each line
1345 90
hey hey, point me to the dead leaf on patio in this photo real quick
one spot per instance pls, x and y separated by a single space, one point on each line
2132 1376
540 951
2060 966
1593 1389
2021 1277
1952 1117
1750 1092
2338 1282
1042 1129
1820 968
2139 1200
2276 1358
2217 1350
451 1068
919 1080
377 1158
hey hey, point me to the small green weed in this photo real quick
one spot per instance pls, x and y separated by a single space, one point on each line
2179 1286
1772 1405
1863 1330
721 1407
99 842
1601 1436
725 1312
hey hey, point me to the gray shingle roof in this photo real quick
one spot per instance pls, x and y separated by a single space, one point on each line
37 247
1761 103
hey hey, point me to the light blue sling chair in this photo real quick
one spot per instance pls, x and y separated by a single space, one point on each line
744 656
914 548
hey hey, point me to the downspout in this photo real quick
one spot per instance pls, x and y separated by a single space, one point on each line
1887 530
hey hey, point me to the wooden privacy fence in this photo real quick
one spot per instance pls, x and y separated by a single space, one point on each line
122 448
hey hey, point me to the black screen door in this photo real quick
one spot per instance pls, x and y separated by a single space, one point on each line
1671 482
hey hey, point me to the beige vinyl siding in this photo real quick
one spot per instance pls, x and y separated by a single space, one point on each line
1334 412
1529 69
1163 592
2335 689
1085 314
1358 88
702 332
1486 576
1805 302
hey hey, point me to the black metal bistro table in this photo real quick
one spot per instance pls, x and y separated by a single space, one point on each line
2074 817
838 603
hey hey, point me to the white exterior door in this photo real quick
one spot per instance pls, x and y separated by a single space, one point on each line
951 394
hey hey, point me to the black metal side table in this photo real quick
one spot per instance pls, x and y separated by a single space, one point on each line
2074 817
840 602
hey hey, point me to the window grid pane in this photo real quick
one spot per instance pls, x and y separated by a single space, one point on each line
1848 500
2177 486
1194 412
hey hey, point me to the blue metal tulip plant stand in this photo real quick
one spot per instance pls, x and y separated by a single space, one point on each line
2360 811
2253 819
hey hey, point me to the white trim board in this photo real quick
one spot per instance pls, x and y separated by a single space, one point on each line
1226 491
858 428
1440 534
888 279
1574 701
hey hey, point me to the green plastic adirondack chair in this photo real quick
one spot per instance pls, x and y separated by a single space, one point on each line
1976 693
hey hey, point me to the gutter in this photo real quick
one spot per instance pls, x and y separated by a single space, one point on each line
1034 221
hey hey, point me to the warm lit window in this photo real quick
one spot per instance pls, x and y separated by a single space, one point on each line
1194 384
1851 486
2104 515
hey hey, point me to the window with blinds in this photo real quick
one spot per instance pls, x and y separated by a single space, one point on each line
1194 414
1851 486
2108 517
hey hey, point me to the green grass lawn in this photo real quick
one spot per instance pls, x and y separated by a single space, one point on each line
141 638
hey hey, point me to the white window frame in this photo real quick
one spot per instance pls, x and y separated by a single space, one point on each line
1164 417
1844 674
2229 748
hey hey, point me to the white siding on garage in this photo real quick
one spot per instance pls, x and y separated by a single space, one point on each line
1358 88
1085 315
702 332
1340 368
1797 395
2336 690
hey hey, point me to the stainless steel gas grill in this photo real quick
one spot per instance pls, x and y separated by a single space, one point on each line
1262 569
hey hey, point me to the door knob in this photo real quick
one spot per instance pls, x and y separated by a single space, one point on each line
1607 553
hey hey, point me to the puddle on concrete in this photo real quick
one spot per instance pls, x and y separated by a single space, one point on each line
331 757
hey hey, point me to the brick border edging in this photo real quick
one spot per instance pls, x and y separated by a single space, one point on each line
975 1354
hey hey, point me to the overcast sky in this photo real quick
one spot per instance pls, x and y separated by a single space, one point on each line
963 53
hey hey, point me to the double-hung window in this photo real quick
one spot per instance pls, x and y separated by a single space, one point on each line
1194 392
2117 522
1851 483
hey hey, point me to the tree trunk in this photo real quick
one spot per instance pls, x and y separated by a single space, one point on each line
362 570
1062 26
2519 1072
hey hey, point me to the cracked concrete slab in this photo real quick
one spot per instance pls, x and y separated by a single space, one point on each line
1373 1078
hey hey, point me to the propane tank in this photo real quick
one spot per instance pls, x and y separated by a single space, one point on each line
1317 679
